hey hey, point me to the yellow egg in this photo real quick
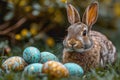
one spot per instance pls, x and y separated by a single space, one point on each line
24 32
15 63
18 37
33 31
55 69
50 42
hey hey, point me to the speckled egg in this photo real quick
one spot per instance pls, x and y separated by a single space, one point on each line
47 56
55 69
15 63
31 55
74 69
33 68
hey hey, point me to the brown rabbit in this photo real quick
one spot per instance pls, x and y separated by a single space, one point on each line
83 46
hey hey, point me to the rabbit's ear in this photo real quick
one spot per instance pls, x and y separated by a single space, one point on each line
91 14
73 15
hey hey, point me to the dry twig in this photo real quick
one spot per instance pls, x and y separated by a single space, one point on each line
13 27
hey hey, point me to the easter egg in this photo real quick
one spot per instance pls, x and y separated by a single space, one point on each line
14 63
74 69
33 68
31 55
47 56
55 69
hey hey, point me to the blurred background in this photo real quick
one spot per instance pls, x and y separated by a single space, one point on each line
43 23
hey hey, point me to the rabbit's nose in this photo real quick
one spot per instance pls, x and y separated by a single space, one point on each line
72 44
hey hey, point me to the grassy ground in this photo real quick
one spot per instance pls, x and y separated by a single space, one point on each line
111 72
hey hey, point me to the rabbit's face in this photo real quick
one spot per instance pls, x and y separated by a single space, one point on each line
77 39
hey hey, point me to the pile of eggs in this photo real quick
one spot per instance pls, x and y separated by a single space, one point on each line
36 62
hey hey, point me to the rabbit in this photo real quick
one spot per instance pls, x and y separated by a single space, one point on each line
90 49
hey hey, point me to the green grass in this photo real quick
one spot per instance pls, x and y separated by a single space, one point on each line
111 72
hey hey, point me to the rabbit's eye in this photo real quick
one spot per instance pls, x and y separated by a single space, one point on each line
84 33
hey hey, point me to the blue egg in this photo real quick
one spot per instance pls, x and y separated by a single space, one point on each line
31 55
47 56
74 69
33 68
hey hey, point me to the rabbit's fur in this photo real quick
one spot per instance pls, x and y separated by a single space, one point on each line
83 46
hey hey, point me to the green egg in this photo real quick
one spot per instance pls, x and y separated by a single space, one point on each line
47 56
74 69
33 68
31 55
